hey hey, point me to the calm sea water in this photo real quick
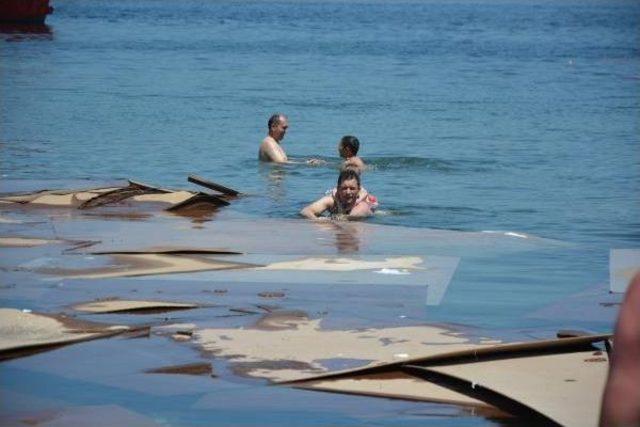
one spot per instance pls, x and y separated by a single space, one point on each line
475 115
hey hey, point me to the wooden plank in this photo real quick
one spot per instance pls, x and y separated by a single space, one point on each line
462 356
200 198
119 194
147 186
170 251
212 185
397 385
566 387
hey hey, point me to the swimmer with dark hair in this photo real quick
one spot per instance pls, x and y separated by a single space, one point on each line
348 148
270 148
348 200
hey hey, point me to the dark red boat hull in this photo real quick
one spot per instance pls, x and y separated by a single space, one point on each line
24 11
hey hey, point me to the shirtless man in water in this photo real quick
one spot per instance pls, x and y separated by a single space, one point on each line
347 201
270 148
348 150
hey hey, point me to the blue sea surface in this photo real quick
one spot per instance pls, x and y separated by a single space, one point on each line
474 115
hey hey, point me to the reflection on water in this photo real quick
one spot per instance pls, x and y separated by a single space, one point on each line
346 235
347 238
198 214
274 175
14 32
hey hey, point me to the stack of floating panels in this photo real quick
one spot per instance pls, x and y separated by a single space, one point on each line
135 193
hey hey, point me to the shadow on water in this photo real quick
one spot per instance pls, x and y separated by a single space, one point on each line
16 32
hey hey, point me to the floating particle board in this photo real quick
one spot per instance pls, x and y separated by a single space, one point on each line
396 385
288 349
170 250
130 265
432 272
442 355
212 185
565 387
24 242
117 305
22 333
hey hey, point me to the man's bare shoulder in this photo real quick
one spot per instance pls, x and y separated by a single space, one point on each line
270 151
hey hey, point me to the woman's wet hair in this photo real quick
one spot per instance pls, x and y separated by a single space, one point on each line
350 142
348 174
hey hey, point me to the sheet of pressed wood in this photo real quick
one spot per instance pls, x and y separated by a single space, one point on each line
347 264
396 385
173 198
81 195
24 242
288 349
130 265
19 329
66 199
565 387
113 306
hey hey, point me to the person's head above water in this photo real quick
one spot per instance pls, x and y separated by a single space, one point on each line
348 187
278 125
349 174
346 199
348 146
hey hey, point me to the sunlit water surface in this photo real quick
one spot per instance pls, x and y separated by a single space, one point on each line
516 116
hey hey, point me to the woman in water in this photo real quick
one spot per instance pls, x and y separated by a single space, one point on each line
349 200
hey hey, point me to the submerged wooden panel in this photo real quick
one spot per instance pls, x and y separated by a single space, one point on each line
396 385
284 347
23 242
28 197
23 333
172 198
473 354
117 305
170 250
565 387
398 264
212 185
131 265
199 200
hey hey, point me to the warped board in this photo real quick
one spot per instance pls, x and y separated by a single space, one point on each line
432 272
212 185
169 250
134 264
284 348
24 242
565 387
28 197
23 333
118 305
396 385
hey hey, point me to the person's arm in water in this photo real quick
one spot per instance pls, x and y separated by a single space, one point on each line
270 151
361 210
365 205
316 162
315 209
621 400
